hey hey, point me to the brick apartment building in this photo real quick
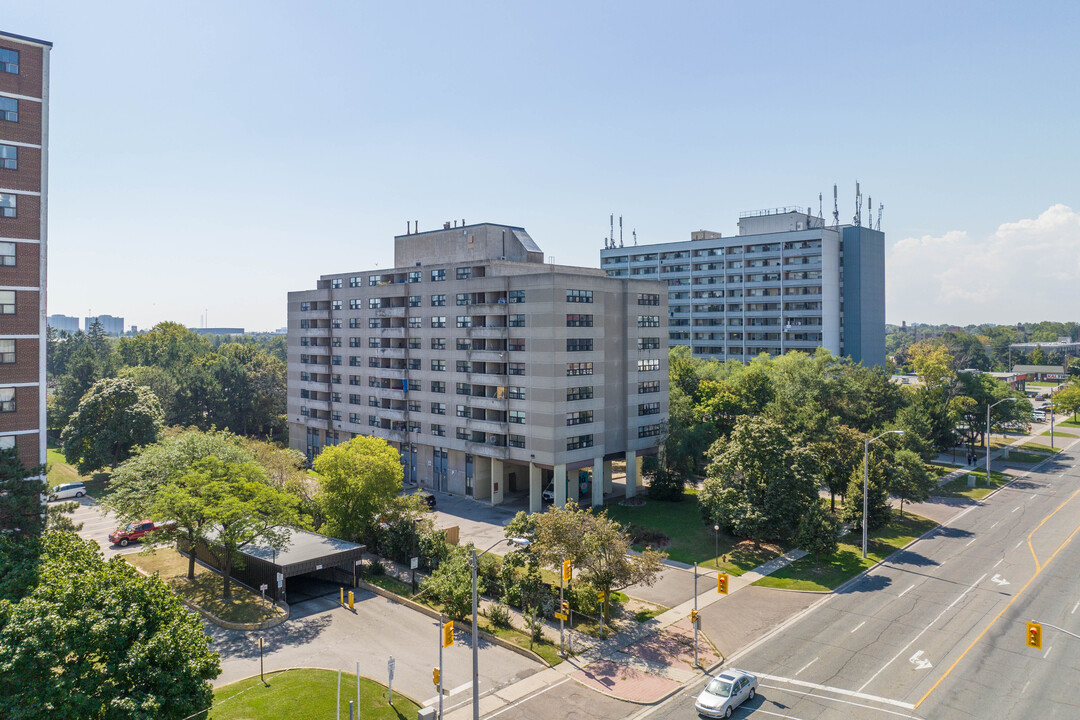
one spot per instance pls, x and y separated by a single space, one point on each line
24 143
493 373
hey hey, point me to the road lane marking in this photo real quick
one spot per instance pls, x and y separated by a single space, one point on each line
816 696
1074 607
994 525
1025 687
999 580
902 594
806 666
529 697
969 542
838 691
1038 569
912 641
1017 508
919 661
997 563
864 622
1048 652
1018 544
755 711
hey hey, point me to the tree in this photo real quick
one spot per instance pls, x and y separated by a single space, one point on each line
96 640
114 417
596 545
909 479
358 478
839 453
137 481
451 583
817 531
21 489
933 364
159 381
878 509
286 470
1067 400
233 505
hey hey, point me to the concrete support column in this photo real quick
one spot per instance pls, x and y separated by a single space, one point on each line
498 482
598 481
536 501
481 479
607 477
633 473
560 485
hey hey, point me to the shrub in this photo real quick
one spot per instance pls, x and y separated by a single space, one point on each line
375 568
498 615
640 535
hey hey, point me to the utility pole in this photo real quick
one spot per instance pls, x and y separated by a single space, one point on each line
696 620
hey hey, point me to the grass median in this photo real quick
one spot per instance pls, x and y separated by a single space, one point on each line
305 694
830 572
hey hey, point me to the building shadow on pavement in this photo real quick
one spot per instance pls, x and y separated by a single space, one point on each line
245 643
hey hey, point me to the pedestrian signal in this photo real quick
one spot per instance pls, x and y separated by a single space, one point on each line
435 676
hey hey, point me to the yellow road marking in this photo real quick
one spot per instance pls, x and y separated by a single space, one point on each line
1038 569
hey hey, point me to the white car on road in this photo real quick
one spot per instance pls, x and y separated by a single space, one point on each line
63 491
725 692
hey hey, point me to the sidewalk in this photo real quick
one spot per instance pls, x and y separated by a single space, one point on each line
643 664
981 463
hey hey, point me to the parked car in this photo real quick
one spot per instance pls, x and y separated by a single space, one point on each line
549 493
725 692
136 531
1039 416
428 498
64 491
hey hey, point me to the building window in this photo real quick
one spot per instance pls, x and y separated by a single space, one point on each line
438 321
7 399
414 301
464 321
437 275
581 417
372 342
305 375
579 393
464 273
579 345
356 281
335 359
7 352
648 321
515 321
438 365
579 296
415 322
648 299
373 303
648 431
335 342
373 362
438 300
7 206
7 253
463 344
579 321
464 366
354 304
373 420
464 411
438 386
581 368
335 379
414 363
374 280
7 302
517 296
463 299
9 109
356 361
354 323
462 433
517 393
356 399
335 284
373 401
438 408
414 406
305 306
438 343
413 427
335 304
648 365
335 415
354 418
373 323
516 441
414 343
648 386
9 157
438 430
415 276
650 408
517 417
515 344
515 369
356 379
356 342
304 412
579 442
305 342
9 61
648 343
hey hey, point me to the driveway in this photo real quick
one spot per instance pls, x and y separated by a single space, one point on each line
320 633
97 524
477 521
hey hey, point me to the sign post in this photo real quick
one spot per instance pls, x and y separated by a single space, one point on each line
390 680
565 577
262 589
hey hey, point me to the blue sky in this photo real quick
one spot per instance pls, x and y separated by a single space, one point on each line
211 156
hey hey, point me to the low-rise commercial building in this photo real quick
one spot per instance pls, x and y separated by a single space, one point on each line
491 371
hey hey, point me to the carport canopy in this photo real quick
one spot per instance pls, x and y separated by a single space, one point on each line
307 552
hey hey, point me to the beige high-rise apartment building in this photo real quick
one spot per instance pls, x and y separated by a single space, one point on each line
24 185
494 373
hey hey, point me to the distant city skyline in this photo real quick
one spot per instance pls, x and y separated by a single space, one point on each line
237 165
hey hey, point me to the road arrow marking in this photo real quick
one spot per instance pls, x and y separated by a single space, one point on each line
919 661
999 580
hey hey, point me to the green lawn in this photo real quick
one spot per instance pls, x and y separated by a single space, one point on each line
205 590
959 486
691 539
306 695
830 572
60 471
1045 449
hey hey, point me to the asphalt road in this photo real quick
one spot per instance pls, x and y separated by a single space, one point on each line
939 631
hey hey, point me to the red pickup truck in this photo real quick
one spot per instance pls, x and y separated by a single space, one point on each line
135 531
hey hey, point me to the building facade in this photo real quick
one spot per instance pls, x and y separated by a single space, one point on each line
493 373
785 282
111 325
65 323
24 166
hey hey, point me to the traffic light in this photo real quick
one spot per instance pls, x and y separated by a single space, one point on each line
721 583
1034 635
601 596
693 617
448 634
435 676
566 571
565 607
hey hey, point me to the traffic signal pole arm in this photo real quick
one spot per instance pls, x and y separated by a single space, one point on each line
1044 624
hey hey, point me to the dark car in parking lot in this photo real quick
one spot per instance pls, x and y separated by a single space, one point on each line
428 498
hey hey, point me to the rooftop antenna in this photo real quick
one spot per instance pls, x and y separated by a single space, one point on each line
835 208
620 231
857 220
880 207
820 214
635 237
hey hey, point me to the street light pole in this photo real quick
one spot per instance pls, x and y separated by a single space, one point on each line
716 545
987 441
520 542
866 482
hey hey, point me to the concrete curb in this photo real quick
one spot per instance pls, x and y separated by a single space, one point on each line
494 639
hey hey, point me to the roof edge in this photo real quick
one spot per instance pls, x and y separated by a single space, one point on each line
24 38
